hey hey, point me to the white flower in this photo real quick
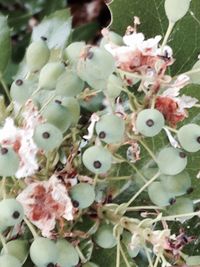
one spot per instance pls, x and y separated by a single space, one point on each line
94 118
21 139
9 132
159 240
134 40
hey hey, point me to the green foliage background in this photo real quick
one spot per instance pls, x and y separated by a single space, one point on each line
185 41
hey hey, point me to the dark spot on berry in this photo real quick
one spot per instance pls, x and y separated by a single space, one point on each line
46 135
19 82
190 190
50 264
4 150
97 164
44 38
16 214
150 122
58 101
75 203
198 139
182 155
172 201
90 55
102 135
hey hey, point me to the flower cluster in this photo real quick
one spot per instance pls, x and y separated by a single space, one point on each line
87 123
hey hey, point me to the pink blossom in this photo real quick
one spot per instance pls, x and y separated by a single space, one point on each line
172 105
46 201
136 53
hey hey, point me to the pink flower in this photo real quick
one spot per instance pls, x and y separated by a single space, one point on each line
46 201
138 54
172 105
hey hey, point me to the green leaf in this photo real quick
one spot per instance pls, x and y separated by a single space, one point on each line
84 32
55 27
185 38
5 44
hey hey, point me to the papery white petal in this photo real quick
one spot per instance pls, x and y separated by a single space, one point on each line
94 118
60 194
186 102
172 140
134 40
171 92
9 132
150 46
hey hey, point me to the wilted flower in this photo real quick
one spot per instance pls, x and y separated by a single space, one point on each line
45 202
172 105
21 139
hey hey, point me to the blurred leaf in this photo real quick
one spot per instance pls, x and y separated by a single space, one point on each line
185 39
5 44
55 27
84 32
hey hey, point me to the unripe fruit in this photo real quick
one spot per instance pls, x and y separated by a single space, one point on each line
58 115
104 236
149 122
176 9
195 74
182 206
110 129
114 86
171 161
9 261
49 75
178 184
189 137
69 84
159 195
9 161
73 51
11 212
83 194
97 159
47 137
43 252
37 55
18 249
21 90
67 254
73 106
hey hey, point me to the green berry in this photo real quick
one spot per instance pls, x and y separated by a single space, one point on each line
47 137
171 161
110 129
67 254
49 75
9 161
104 236
149 122
58 115
189 137
97 159
37 55
69 84
44 252
83 194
